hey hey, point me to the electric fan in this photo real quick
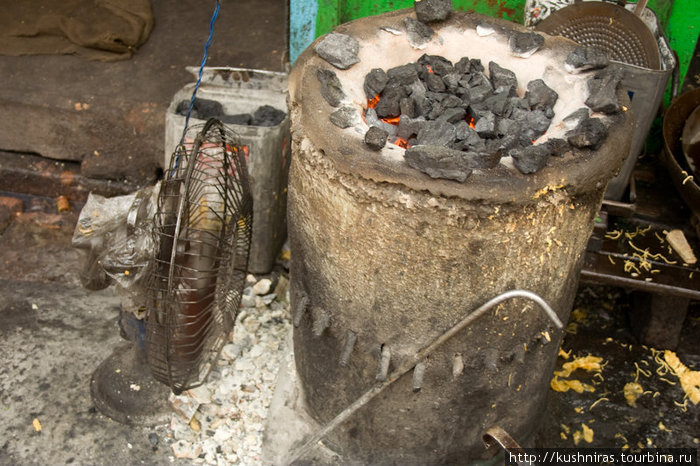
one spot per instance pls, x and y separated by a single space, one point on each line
179 255
202 230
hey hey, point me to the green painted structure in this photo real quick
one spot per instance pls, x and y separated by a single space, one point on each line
309 19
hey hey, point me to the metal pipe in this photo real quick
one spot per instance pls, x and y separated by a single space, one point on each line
410 363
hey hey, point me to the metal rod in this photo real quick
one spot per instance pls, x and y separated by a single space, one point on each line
350 339
411 362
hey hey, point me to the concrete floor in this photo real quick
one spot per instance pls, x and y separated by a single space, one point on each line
54 333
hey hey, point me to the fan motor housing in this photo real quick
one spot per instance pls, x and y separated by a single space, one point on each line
386 257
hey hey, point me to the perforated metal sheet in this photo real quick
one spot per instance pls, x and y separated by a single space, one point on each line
609 27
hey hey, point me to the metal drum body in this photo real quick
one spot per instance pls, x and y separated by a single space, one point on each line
385 257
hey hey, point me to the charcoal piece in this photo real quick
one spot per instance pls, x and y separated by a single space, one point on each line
439 65
437 133
558 147
428 11
415 89
389 105
403 75
586 58
590 133
475 65
407 106
502 78
496 103
452 101
418 33
463 131
372 119
549 112
408 127
453 114
435 96
463 66
486 125
535 119
524 44
483 160
267 115
435 83
528 137
375 138
438 162
340 50
375 82
502 145
530 159
242 119
506 126
423 106
451 80
478 110
344 117
202 109
539 96
513 104
480 92
574 118
331 89
602 87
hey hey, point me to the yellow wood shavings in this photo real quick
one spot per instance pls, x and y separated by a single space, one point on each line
588 363
597 401
632 392
614 234
564 354
663 428
690 380
565 428
37 425
586 434
561 385
579 409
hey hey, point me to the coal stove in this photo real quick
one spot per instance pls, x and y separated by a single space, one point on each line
393 246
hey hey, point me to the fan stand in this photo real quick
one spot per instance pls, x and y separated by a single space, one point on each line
124 390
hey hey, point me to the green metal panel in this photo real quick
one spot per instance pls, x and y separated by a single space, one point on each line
683 29
507 9
328 16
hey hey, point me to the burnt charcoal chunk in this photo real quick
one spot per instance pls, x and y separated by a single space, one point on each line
403 75
530 159
506 126
513 104
372 119
375 82
497 103
502 78
432 10
452 101
407 106
535 120
340 50
435 83
480 92
202 109
267 115
524 44
498 146
389 105
437 133
451 80
475 65
331 89
586 58
574 118
602 95
408 127
242 119
462 66
539 96
558 147
453 114
375 138
418 33
439 162
591 133
486 125
440 65
344 117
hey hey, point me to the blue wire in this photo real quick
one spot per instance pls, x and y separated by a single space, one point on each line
212 22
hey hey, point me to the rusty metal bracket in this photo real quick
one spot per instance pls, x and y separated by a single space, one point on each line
496 435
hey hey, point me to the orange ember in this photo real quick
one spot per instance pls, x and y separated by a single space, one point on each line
401 142
471 122
371 103
430 68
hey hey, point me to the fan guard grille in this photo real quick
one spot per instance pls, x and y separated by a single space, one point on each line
202 229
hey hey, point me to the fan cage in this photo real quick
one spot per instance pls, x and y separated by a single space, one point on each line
202 229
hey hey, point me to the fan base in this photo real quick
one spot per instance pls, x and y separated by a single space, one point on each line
124 390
